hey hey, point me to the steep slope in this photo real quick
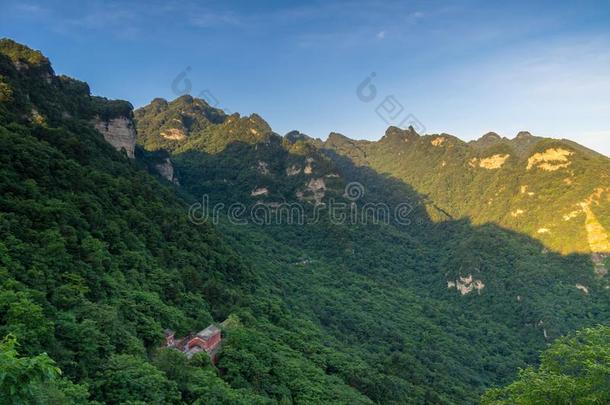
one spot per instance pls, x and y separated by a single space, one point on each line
553 190
188 123
97 257
432 311
242 158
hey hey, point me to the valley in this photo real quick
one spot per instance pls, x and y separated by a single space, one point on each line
503 251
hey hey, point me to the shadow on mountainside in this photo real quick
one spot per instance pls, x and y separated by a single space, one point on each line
466 287
505 274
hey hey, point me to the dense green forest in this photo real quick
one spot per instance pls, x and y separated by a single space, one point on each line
98 255
533 185
574 370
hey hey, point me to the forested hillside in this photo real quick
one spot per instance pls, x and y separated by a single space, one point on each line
97 258
369 284
553 190
100 253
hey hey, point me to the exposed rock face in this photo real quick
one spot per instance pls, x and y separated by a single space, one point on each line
438 141
597 236
293 170
572 214
466 284
493 162
550 160
489 163
173 134
263 167
259 191
524 191
308 168
166 170
517 213
315 190
599 264
583 288
119 132
318 188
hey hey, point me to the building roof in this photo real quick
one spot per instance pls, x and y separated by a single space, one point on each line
208 332
192 351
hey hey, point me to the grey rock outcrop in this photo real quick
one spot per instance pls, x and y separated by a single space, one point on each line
119 132
166 170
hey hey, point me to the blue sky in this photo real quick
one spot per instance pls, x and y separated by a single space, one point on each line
461 67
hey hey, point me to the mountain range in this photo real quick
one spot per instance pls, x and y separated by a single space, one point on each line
442 268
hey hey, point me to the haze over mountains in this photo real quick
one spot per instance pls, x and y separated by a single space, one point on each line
503 248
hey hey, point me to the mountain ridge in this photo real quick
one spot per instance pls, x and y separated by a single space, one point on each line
479 167
97 257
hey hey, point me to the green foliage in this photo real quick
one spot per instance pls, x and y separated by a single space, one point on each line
21 53
339 287
97 258
253 360
34 380
30 92
526 200
127 378
24 319
574 370
190 123
199 382
108 109
6 93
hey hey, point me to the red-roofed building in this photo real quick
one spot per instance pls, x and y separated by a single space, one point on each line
208 340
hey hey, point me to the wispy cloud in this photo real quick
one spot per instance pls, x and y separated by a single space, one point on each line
557 88
205 19
30 8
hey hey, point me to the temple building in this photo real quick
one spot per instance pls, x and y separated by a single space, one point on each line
208 340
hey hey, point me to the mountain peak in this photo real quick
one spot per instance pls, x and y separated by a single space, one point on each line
394 129
489 139
159 100
23 57
490 136
394 132
336 136
524 135
294 136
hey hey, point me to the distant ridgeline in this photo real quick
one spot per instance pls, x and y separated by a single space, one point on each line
474 206
553 190
98 255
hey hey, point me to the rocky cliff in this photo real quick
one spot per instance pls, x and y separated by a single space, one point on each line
166 170
119 132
